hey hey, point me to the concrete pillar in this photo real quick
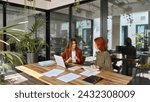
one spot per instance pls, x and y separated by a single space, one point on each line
149 20
115 31
103 17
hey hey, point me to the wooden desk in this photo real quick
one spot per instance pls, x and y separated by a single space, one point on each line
110 78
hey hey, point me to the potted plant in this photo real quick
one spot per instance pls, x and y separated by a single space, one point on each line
142 43
9 59
28 44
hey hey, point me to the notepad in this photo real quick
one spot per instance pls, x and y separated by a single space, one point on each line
68 77
54 72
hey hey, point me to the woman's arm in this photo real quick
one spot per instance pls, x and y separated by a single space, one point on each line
80 58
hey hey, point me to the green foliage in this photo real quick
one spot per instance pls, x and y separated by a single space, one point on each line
140 39
28 43
76 5
9 58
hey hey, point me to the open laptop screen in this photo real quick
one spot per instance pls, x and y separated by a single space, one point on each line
59 60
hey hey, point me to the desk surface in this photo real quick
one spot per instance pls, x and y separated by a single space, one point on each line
109 78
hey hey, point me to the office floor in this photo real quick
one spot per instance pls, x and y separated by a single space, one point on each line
144 79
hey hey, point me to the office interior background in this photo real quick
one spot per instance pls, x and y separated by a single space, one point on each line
113 19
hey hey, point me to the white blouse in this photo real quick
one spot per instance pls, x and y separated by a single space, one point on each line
73 56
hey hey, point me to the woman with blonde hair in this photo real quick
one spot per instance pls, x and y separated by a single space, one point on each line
72 54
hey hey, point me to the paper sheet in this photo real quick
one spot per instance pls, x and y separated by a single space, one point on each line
90 58
74 68
89 73
53 72
68 77
88 68
46 63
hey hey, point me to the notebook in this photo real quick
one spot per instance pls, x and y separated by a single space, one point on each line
93 79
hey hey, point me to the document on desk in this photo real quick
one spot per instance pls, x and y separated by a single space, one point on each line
68 77
74 68
88 68
90 58
89 73
53 72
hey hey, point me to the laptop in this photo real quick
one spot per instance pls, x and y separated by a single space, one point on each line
59 61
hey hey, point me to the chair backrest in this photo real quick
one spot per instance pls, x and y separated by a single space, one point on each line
144 59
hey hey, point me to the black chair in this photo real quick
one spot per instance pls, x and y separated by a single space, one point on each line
143 65
114 63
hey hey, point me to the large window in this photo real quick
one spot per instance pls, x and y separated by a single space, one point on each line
28 18
143 39
128 21
86 25
59 30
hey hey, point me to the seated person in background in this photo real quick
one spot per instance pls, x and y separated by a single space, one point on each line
129 53
103 59
72 54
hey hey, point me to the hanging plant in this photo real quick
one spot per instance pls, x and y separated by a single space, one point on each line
31 6
76 5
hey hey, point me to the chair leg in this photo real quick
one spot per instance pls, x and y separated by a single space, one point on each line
135 72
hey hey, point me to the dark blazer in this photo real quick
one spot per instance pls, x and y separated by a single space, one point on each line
130 51
68 53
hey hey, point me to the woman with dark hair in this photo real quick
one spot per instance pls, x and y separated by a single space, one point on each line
103 59
72 54
129 53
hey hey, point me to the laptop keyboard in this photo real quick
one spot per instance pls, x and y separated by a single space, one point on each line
69 65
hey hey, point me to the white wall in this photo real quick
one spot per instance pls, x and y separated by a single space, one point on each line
138 19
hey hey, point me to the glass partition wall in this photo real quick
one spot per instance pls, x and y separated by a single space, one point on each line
27 17
59 30
86 25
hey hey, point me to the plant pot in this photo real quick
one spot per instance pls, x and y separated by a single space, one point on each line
31 58
2 77
2 80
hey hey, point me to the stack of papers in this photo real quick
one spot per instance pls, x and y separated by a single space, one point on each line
88 68
74 68
68 77
46 63
90 58
89 71
53 72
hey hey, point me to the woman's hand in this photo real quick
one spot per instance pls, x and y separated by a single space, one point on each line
76 58
68 60
95 66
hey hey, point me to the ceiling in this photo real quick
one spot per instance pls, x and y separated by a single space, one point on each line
44 4
128 6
